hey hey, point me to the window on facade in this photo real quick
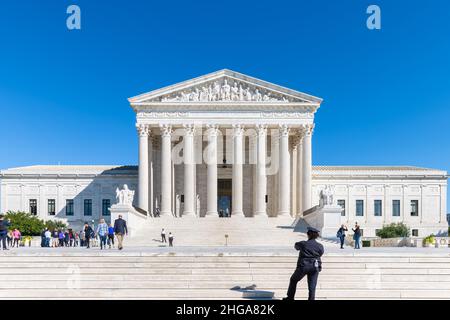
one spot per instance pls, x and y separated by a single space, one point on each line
414 208
33 207
51 207
378 211
106 204
342 204
415 232
396 208
359 208
88 207
69 207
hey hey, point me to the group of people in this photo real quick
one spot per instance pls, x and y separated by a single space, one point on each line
356 235
8 238
103 233
163 237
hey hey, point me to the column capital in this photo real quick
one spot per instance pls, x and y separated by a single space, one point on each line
284 130
143 130
212 130
189 129
308 129
238 130
261 129
166 130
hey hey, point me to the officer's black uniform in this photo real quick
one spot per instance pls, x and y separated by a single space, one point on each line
308 264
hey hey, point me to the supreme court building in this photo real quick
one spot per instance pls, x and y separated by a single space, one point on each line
226 144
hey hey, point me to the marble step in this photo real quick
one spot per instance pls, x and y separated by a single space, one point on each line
217 293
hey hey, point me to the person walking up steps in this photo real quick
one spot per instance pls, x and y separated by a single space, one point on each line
120 228
163 236
110 236
88 234
309 264
102 231
170 239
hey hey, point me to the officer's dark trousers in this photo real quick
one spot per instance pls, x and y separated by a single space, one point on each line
296 277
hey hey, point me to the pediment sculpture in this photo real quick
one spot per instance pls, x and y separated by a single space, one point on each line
224 90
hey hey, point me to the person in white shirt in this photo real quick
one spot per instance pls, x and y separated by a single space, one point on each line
48 236
163 235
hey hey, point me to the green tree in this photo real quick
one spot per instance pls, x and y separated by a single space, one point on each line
52 225
27 224
393 230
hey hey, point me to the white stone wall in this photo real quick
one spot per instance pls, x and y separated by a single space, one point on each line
430 191
431 195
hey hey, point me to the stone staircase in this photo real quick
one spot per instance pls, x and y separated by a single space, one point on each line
211 231
78 273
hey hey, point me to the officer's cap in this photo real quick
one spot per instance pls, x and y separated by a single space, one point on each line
311 229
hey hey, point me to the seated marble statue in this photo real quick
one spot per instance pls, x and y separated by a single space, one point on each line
124 196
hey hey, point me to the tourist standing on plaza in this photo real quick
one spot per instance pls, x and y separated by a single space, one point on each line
4 224
341 235
102 231
170 239
163 236
308 264
88 234
66 238
48 237
110 236
55 237
16 237
120 229
357 235
9 238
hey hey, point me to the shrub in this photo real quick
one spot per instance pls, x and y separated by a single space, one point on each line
52 225
429 240
393 230
27 224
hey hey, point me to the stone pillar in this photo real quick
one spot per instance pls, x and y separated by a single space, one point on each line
284 176
261 179
211 161
150 173
189 175
299 181
166 168
238 160
307 168
143 166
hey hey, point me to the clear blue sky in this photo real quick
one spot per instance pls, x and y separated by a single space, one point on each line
386 93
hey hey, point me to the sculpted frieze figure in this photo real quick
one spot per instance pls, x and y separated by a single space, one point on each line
223 91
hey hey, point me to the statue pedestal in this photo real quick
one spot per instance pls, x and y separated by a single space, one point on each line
325 218
134 219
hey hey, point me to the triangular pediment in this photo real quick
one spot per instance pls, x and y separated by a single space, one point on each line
224 86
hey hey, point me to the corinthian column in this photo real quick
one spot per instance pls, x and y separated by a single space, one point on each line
211 209
143 132
299 180
237 192
166 170
285 175
307 167
189 176
261 179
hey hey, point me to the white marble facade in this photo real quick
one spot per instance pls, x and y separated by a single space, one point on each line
227 141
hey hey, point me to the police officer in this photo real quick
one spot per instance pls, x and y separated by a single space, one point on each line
308 264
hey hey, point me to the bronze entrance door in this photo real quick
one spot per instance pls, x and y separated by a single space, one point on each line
224 191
